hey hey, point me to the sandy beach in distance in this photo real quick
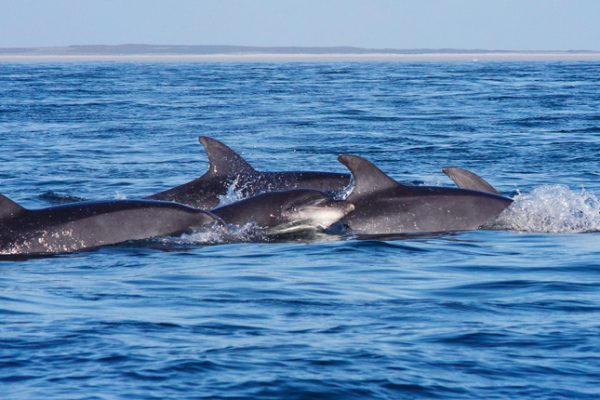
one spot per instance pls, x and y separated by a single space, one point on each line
303 57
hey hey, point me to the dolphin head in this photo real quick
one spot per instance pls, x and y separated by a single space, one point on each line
312 210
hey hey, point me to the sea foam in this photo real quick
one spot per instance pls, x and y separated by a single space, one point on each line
552 209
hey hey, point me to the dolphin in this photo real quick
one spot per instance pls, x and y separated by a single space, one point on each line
467 180
227 168
384 206
286 211
85 225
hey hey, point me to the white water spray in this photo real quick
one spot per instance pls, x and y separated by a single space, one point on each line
233 194
552 209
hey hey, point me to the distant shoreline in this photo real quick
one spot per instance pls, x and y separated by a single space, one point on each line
228 53
303 57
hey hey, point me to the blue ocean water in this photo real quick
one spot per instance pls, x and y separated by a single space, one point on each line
508 312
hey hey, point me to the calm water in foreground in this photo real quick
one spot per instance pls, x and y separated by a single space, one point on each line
511 312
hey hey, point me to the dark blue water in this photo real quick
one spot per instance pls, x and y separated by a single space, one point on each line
511 312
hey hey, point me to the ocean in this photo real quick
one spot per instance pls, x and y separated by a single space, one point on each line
512 311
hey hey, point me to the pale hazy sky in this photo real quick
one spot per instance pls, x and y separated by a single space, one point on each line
482 24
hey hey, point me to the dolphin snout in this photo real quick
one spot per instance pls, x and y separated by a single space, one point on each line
348 208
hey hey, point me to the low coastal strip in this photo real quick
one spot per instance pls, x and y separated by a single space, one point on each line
158 53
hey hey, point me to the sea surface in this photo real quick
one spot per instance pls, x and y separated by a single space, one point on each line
508 312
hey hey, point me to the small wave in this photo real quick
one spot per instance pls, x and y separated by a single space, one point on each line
59 198
211 236
552 209
120 196
591 129
249 232
219 235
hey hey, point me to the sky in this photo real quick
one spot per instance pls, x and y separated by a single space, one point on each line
408 24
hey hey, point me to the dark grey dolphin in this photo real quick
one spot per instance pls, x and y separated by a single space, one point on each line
467 180
384 206
85 225
227 168
286 211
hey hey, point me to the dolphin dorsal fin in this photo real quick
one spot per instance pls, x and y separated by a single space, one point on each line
9 208
467 180
367 177
222 160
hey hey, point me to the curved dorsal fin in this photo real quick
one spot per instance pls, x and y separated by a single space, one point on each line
222 160
367 177
467 180
9 208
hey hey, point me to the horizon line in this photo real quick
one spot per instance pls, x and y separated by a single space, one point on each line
213 49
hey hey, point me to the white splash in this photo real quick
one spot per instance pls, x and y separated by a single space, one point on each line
552 209
44 241
343 193
234 193
436 180
215 235
120 196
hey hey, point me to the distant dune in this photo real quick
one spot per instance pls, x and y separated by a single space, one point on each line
152 53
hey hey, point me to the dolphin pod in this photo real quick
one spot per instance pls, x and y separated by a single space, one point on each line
274 202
